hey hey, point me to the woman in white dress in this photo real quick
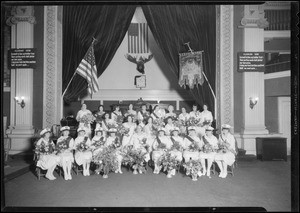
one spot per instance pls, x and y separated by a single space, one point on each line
183 116
226 157
66 155
84 157
131 126
208 139
191 141
175 138
195 113
115 141
142 115
140 142
116 114
131 112
169 125
80 115
158 151
171 112
106 122
157 113
99 115
97 144
150 131
47 161
206 115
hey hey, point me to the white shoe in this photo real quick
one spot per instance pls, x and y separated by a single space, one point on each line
221 174
120 171
49 177
199 173
70 177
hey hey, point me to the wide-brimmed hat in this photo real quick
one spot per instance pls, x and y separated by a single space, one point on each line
191 128
64 128
99 129
162 129
44 131
226 126
209 128
111 130
80 129
175 129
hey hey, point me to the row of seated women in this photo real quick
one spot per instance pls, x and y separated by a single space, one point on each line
153 144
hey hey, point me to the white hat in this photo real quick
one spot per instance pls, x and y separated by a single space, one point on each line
112 130
191 128
80 129
162 129
226 126
45 131
99 129
175 129
209 128
65 128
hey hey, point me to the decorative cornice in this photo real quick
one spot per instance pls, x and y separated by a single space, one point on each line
260 23
254 16
21 14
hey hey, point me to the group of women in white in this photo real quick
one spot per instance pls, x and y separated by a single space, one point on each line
143 134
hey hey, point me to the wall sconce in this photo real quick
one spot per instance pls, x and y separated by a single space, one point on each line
253 102
21 101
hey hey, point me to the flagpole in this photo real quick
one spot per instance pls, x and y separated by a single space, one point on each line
69 84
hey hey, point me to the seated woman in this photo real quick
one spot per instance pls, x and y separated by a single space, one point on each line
161 144
117 115
66 151
195 113
99 115
177 147
209 150
83 153
200 130
192 145
131 127
169 125
98 142
171 112
140 142
115 141
47 159
142 115
157 113
84 117
183 116
150 131
206 116
131 112
226 156
106 122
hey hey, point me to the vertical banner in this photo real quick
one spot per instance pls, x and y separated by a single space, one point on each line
190 69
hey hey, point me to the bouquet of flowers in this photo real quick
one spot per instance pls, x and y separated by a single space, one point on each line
194 147
123 130
87 119
179 123
176 146
192 121
44 148
208 148
135 159
193 167
98 143
158 122
117 143
62 146
161 146
223 147
99 117
82 146
119 119
107 160
144 143
168 162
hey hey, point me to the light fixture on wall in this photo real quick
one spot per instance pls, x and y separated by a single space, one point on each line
253 101
20 101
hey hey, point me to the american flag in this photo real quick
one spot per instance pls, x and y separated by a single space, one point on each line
88 70
138 38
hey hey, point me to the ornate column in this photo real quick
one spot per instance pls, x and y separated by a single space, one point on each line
253 24
21 130
52 112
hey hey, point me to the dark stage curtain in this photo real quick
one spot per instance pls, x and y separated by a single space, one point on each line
107 23
174 25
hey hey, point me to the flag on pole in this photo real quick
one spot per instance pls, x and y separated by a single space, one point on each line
88 70
138 38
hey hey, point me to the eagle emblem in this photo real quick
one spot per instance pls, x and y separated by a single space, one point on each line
140 62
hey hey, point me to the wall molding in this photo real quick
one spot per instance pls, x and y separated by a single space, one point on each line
278 75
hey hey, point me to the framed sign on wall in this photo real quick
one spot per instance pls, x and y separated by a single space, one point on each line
251 61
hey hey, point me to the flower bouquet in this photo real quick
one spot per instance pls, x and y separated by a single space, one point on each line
123 130
194 147
99 143
161 146
107 160
136 160
208 148
169 163
117 143
82 146
158 122
62 146
193 167
143 142
119 119
45 149
192 121
87 119
176 146
222 148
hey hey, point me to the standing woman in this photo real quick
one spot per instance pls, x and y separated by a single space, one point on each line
47 160
83 153
150 131
209 150
114 140
131 111
142 115
157 113
161 144
66 154
85 118
106 122
226 156
171 112
131 126
117 115
99 115
195 113
206 116
183 116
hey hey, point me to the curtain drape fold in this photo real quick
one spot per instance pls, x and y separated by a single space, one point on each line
107 23
174 25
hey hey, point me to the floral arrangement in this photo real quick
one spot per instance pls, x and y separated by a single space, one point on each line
208 148
135 159
100 142
87 119
117 143
161 146
99 117
193 167
82 146
119 119
168 162
106 159
192 121
179 123
44 148
223 147
194 147
62 146
123 130
176 146
158 122
144 143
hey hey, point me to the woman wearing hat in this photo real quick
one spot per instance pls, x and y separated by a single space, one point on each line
114 140
161 144
66 154
175 138
98 142
47 161
143 114
131 126
209 140
84 113
140 142
206 115
192 144
226 156
83 156
169 125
